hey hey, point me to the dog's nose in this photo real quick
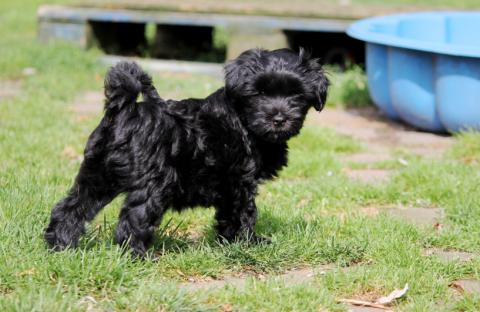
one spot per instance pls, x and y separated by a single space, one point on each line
278 120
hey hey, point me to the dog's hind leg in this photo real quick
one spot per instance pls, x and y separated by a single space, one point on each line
89 194
142 212
68 217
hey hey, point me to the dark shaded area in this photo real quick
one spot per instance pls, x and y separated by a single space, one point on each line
331 48
186 43
168 42
197 43
126 39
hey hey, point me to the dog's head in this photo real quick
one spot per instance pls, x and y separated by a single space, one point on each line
273 91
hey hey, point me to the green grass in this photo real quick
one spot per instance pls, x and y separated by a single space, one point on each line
349 88
311 211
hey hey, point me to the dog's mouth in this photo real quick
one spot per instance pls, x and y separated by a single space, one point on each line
276 137
279 133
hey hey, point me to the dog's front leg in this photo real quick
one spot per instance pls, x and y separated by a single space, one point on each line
236 215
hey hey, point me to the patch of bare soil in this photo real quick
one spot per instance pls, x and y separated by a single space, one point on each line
87 103
9 89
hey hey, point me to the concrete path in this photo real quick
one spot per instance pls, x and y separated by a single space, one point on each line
380 138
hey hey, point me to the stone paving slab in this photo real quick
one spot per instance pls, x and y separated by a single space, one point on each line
376 132
469 286
450 255
290 278
418 216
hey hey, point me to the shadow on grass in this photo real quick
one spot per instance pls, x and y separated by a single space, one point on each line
295 240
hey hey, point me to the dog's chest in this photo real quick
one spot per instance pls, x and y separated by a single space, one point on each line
271 158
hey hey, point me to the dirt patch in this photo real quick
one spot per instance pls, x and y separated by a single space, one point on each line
10 89
370 211
379 133
88 103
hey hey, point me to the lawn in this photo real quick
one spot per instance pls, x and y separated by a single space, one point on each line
313 211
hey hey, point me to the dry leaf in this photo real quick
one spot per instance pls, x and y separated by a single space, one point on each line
226 307
363 303
397 293
457 286
29 272
470 286
70 153
438 226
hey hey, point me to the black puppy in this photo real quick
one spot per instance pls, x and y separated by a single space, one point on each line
195 152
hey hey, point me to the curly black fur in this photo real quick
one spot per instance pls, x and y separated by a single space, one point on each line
196 152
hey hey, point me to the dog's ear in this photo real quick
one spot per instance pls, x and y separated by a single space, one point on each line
316 78
322 83
240 69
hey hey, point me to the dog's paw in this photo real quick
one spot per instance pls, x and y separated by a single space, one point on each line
57 242
62 235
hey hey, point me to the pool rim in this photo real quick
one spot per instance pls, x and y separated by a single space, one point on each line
361 30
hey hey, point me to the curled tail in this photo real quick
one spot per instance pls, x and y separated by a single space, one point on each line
123 84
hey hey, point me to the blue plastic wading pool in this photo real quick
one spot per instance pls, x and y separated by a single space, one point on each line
424 68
